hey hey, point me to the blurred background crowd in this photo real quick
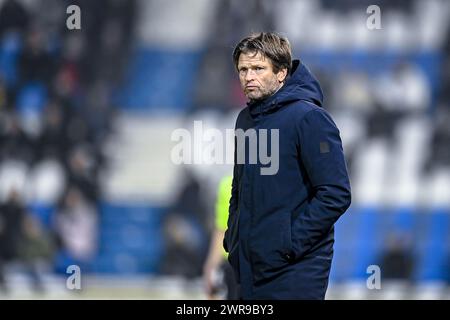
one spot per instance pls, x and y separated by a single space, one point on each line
86 118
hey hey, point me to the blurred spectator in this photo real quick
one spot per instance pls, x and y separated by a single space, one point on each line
187 230
403 88
397 262
36 250
82 173
99 113
181 255
76 227
52 141
440 141
6 103
51 20
12 215
77 130
13 17
399 92
65 83
35 62
15 142
114 38
190 201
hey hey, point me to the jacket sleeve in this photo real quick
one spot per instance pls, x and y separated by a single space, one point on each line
233 206
322 157
234 197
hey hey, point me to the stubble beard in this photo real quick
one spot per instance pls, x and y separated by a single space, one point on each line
274 87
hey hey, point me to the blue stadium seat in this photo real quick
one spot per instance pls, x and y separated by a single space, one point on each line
10 47
433 246
63 260
43 212
358 235
131 239
372 62
345 237
159 79
368 243
31 99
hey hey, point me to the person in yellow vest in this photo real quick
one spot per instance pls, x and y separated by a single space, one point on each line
218 274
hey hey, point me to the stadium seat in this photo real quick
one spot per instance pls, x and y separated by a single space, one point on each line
159 80
130 239
433 246
10 47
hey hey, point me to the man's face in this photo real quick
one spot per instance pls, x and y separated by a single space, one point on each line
257 77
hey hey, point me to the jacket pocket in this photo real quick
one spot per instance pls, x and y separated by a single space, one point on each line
231 238
305 246
287 252
296 249
233 259
270 247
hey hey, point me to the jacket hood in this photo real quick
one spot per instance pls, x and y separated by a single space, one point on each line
300 85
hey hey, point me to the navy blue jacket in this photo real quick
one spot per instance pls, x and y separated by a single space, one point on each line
280 231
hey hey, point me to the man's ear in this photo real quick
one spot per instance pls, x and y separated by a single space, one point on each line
281 75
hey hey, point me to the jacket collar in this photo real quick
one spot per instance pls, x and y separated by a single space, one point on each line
300 85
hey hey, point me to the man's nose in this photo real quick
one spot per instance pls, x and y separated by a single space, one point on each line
249 75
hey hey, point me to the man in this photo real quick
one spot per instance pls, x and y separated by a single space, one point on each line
280 231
